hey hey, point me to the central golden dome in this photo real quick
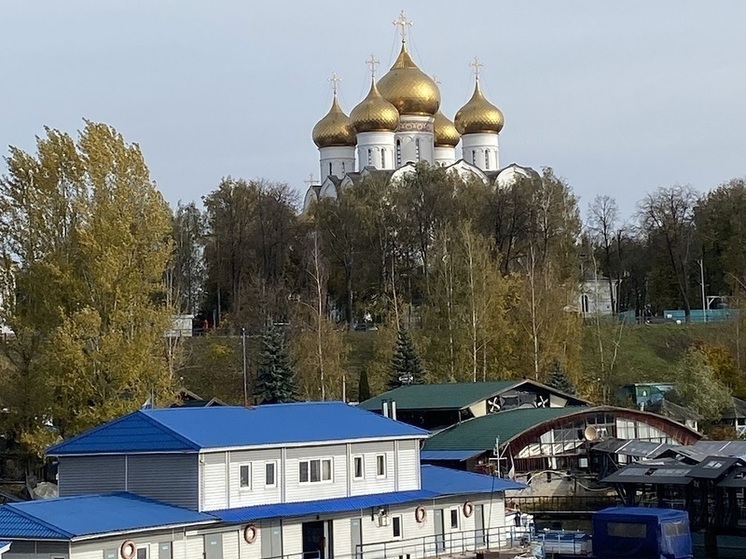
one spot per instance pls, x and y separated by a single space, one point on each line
334 129
479 116
408 88
444 131
374 113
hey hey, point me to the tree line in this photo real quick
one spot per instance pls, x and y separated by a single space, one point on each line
470 281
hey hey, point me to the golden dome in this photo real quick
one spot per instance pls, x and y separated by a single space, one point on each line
334 129
479 116
445 132
408 88
374 113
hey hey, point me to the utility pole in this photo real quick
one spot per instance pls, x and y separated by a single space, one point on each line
245 380
702 282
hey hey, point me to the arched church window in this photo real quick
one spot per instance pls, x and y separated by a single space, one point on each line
343 168
417 149
330 169
383 158
398 153
473 157
370 156
486 160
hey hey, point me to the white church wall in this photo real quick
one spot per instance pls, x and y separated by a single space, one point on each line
481 150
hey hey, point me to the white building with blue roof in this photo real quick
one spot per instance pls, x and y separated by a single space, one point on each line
312 480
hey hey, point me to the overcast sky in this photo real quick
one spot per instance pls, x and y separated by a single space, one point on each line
619 98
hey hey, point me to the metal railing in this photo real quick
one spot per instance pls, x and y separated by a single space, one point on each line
565 503
451 543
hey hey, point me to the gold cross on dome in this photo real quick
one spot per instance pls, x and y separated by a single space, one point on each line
373 62
477 65
436 80
402 23
310 180
334 80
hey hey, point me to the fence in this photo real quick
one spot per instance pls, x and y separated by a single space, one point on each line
452 543
565 503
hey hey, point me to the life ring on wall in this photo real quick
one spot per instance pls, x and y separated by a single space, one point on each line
468 509
250 533
127 550
420 514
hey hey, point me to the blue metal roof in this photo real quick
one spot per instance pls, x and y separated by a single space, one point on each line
323 506
437 482
192 429
458 455
70 517
447 481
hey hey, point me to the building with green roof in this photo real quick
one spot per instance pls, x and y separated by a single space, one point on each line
539 439
436 406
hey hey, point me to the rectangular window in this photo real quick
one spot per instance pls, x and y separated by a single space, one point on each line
627 530
381 465
270 479
357 467
315 471
244 475
142 553
454 519
396 525
111 554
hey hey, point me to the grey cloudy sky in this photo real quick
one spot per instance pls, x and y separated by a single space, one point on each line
619 98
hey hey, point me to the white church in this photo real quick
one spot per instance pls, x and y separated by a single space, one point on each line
399 124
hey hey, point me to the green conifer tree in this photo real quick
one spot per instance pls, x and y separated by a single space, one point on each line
558 379
276 376
406 365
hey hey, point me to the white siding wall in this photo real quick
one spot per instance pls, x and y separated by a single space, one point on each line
292 536
214 481
295 491
194 547
231 545
258 493
409 465
371 483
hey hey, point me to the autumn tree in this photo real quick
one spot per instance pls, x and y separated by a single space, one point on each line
86 237
317 343
667 221
186 274
698 387
251 229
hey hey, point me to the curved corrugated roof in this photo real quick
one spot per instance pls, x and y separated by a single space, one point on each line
480 433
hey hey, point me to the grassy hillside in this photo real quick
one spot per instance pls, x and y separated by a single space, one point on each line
213 365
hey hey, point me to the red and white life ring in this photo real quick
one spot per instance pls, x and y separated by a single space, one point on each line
420 514
250 533
128 549
468 509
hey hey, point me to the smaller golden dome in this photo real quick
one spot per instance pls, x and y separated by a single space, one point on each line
334 129
444 131
374 113
479 116
410 90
